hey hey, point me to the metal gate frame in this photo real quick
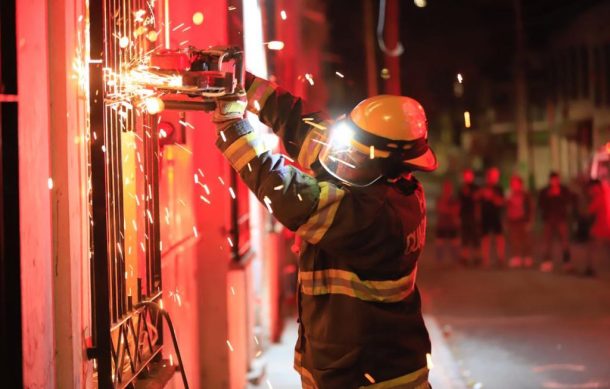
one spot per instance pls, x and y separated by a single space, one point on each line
127 337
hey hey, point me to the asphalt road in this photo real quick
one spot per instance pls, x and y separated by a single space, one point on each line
522 329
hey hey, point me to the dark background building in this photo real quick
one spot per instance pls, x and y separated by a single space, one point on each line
566 66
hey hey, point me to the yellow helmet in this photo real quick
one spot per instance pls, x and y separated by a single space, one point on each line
383 135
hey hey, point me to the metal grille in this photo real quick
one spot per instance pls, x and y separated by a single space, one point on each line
124 148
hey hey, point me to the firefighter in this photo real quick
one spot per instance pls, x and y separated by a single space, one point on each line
362 216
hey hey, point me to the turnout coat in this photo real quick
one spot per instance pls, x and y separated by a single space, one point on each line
360 321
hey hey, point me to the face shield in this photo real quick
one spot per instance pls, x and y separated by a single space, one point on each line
348 160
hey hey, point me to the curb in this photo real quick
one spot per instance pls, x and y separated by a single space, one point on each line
445 373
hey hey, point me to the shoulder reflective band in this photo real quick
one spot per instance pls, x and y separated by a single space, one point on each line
258 93
311 147
244 150
334 281
319 222
416 380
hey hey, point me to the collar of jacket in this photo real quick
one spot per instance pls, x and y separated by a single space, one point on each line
404 185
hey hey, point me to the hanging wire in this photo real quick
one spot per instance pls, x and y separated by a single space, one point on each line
399 49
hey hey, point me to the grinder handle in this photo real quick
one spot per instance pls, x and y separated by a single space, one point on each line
236 54
239 70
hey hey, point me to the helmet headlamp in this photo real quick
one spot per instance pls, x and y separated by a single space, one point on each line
342 135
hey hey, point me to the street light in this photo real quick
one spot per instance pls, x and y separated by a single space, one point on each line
466 119
420 3
275 45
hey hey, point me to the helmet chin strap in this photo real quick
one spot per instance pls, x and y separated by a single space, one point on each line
393 167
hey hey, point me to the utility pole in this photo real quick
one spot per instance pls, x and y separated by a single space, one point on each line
520 84
392 62
369 45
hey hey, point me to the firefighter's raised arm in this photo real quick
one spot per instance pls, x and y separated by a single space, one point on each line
301 131
297 200
365 224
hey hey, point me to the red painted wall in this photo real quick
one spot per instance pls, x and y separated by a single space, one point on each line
34 194
195 259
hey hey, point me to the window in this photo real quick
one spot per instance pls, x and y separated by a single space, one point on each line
564 74
555 89
597 77
606 74
573 73
583 72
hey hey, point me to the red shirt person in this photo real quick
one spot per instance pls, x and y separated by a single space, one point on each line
599 210
556 202
492 200
447 222
469 215
518 218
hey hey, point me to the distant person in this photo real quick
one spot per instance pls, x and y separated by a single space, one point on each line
469 213
519 220
492 201
599 210
447 223
583 219
556 202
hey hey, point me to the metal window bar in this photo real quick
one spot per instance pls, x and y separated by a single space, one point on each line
127 336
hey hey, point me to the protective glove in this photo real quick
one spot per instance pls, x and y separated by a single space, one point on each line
230 107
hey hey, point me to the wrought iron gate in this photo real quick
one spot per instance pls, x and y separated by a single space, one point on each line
126 278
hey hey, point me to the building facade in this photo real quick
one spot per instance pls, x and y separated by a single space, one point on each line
126 221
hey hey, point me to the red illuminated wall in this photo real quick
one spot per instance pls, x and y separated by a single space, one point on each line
210 310
304 34
209 298
35 197
53 214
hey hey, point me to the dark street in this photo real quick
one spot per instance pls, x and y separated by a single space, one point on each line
518 328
